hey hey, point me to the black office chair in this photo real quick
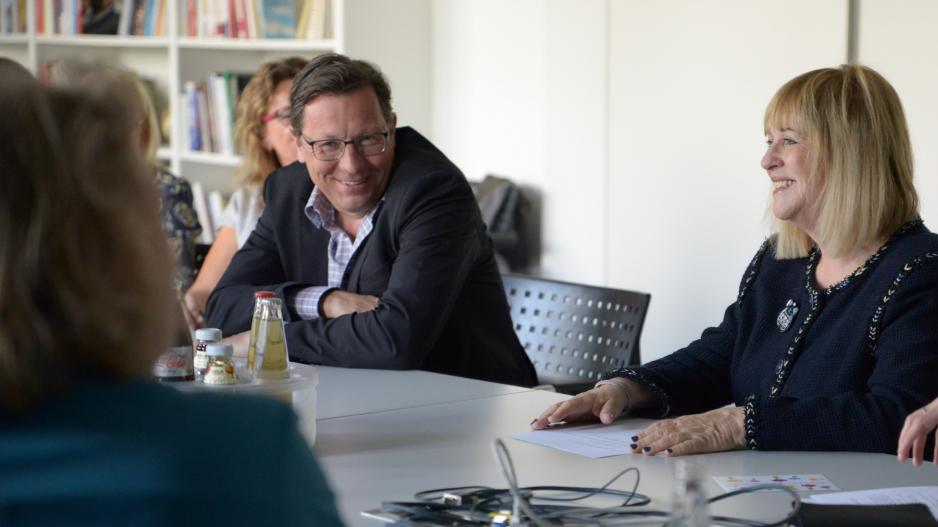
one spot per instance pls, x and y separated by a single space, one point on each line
573 333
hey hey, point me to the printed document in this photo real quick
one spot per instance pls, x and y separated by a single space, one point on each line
590 440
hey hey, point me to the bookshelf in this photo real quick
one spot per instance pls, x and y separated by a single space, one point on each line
170 61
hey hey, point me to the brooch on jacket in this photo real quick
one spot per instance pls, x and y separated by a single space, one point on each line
786 316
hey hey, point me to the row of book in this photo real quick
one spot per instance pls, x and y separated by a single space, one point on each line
208 207
76 17
209 105
12 17
145 18
303 19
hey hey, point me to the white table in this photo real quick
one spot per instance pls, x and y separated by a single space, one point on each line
389 455
345 391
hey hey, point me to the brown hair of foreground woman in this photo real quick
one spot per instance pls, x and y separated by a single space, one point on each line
85 273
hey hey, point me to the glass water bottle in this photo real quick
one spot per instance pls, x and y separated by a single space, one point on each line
267 350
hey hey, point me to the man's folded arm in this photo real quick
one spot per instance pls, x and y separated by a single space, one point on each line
439 243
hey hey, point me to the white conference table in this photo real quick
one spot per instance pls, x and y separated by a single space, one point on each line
344 392
390 454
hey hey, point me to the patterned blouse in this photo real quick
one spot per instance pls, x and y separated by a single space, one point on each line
180 223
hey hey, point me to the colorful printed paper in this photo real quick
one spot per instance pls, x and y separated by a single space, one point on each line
795 482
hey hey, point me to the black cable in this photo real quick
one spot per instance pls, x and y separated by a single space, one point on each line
477 505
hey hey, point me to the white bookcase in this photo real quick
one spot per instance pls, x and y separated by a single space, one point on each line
395 35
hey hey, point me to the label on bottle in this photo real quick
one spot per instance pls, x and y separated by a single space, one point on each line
174 364
201 359
220 374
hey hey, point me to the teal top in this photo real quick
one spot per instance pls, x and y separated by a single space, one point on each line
138 453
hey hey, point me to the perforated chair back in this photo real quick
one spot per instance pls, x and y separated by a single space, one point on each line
573 333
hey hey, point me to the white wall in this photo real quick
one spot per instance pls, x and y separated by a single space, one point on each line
641 124
898 40
519 90
397 36
689 82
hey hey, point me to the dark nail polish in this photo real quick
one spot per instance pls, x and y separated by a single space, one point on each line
634 438
670 451
533 421
633 446
647 449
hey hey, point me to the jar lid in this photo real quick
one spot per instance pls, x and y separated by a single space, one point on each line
264 294
208 334
219 350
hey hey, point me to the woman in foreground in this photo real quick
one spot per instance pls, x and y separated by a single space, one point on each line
86 305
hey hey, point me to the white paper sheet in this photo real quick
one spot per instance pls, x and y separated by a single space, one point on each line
891 496
593 440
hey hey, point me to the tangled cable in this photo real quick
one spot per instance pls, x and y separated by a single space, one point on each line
541 506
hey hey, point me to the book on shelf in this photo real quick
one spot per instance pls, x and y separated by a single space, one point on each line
73 17
209 207
251 19
216 206
209 106
144 18
200 203
12 16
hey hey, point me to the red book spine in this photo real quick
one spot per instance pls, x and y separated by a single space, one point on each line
191 20
40 17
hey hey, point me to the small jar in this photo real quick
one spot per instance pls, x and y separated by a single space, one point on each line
220 369
204 337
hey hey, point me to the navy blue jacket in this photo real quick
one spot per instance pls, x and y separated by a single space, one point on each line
855 360
428 259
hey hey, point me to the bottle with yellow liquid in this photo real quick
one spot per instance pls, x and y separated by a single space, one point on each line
252 343
267 349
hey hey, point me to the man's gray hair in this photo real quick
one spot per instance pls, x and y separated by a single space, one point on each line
333 73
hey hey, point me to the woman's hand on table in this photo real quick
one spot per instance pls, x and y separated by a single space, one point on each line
915 432
714 431
604 403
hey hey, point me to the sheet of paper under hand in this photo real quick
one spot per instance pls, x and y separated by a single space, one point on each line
591 440
891 496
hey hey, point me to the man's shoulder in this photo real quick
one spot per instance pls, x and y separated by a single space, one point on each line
419 164
288 180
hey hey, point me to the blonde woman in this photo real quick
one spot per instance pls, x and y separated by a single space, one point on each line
85 309
831 339
178 217
266 142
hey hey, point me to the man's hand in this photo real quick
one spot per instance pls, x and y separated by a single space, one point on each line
339 302
915 432
604 403
713 431
239 342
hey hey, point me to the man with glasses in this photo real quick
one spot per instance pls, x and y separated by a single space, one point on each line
375 243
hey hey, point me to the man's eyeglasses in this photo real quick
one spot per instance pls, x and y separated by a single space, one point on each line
333 149
283 115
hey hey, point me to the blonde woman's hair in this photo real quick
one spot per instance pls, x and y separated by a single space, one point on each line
103 79
258 162
85 271
859 146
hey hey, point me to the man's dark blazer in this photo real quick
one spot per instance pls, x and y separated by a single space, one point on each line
428 258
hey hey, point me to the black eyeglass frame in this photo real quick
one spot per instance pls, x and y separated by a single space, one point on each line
356 141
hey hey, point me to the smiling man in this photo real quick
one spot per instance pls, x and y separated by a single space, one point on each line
374 242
